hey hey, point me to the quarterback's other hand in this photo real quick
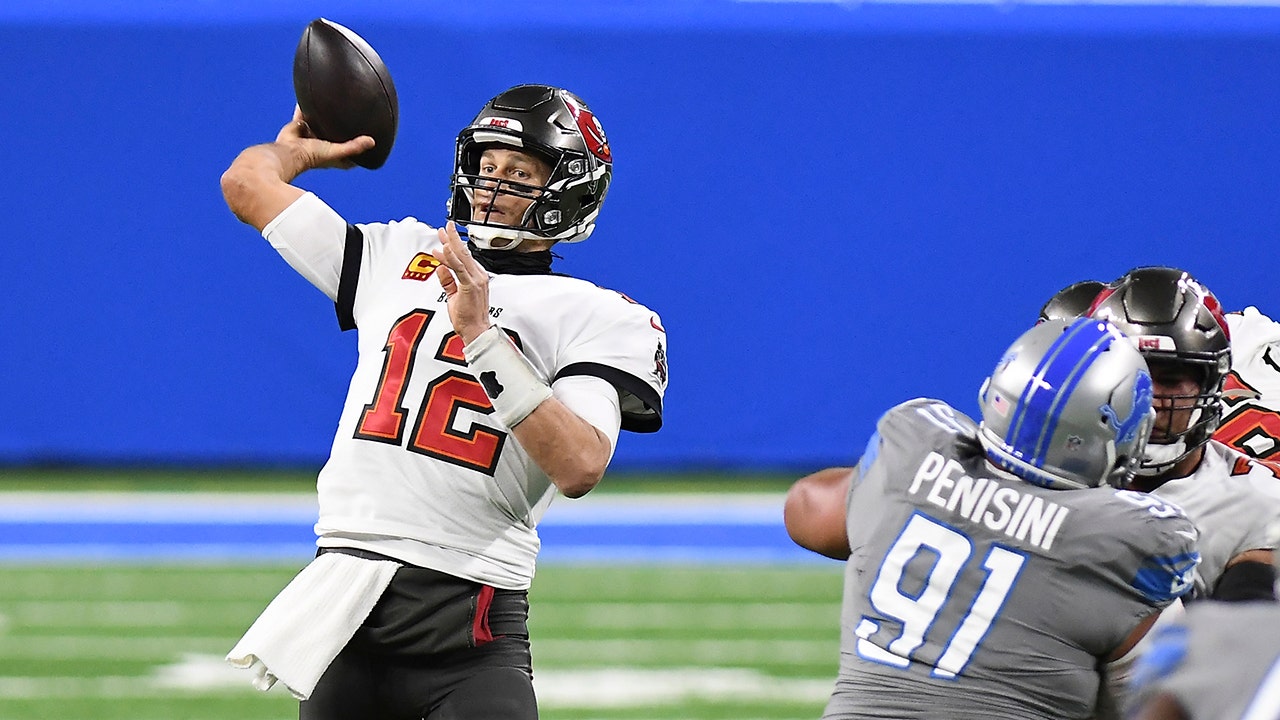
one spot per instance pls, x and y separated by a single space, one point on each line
465 283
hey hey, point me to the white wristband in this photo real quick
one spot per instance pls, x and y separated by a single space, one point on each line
513 385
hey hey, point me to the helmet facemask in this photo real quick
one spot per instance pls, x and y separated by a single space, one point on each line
1184 421
483 228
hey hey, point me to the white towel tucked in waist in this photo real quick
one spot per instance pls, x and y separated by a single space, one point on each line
310 621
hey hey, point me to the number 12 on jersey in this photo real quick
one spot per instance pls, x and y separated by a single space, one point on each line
434 433
916 612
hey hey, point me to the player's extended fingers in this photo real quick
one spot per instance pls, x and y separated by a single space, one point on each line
455 255
447 257
447 281
467 263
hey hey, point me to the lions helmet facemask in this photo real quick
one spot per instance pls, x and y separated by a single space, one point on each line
1176 322
552 124
1068 406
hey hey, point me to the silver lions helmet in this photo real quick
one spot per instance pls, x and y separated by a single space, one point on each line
1068 406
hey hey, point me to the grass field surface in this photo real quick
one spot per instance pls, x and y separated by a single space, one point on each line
677 643
144 639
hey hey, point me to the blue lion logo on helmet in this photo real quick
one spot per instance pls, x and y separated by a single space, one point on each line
1127 428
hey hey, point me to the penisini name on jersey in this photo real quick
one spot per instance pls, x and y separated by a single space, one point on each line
1001 508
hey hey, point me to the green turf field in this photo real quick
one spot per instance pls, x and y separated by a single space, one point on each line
678 643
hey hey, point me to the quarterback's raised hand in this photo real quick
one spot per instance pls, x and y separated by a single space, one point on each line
465 283
257 185
312 153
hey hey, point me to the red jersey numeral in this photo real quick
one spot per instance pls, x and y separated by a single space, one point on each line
1253 430
383 419
434 434
479 446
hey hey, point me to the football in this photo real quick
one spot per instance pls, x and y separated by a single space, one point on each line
344 89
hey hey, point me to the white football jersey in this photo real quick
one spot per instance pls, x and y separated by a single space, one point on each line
1232 500
420 468
1251 402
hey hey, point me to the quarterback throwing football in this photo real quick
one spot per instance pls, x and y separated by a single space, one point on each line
485 383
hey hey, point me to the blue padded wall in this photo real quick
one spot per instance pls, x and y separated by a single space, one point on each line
834 207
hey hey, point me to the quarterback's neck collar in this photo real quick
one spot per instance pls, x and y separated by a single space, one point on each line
512 262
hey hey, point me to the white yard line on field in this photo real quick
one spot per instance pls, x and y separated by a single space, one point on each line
559 650
610 687
238 508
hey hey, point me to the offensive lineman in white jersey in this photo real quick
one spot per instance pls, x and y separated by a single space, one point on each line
1251 395
1178 326
485 383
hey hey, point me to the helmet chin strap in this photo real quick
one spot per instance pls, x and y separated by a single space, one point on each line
484 236
1157 458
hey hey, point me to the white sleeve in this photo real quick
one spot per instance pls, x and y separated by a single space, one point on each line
593 400
626 346
309 235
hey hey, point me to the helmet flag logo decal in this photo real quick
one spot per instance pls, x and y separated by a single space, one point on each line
592 132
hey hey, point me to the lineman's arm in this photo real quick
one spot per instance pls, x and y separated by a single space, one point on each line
815 512
1248 576
1135 637
257 185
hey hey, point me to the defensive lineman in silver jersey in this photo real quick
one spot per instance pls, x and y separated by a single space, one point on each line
466 500
991 568
1018 588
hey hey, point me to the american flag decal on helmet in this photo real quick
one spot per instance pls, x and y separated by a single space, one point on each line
999 404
